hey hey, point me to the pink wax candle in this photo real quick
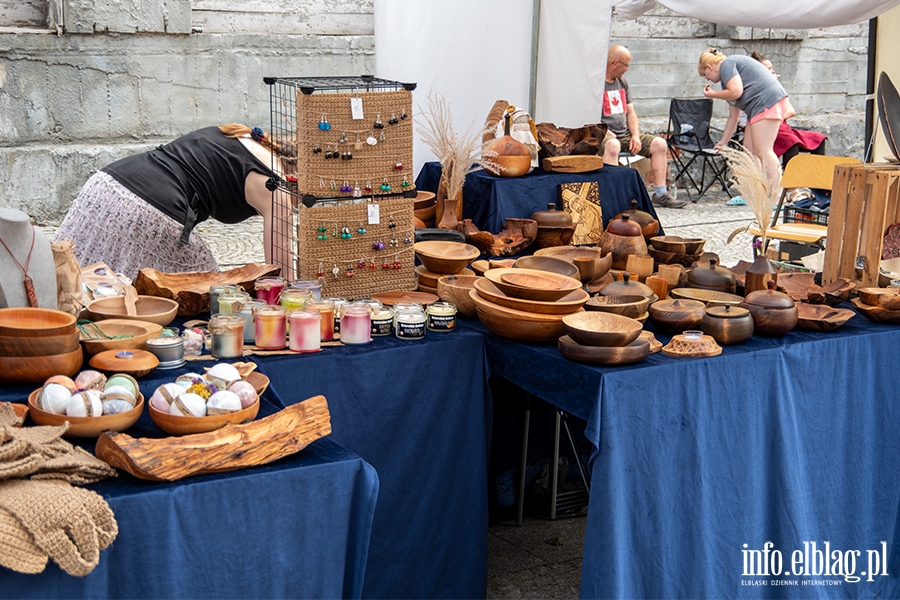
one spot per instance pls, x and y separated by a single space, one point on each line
269 289
356 324
305 330
271 324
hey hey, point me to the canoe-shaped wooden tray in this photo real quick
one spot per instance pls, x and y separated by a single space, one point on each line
877 314
802 287
117 334
565 305
148 309
634 352
820 317
707 297
191 290
884 297
85 427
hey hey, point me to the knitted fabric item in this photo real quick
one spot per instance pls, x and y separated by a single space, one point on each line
8 417
41 453
68 524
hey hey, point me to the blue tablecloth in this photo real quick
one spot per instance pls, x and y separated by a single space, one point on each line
419 412
296 528
489 200
699 462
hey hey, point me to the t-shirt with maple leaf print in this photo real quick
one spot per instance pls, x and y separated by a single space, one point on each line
616 98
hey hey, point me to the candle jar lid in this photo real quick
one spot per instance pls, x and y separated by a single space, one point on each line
372 302
320 305
441 308
220 323
383 313
357 308
301 314
267 283
337 301
221 289
253 305
408 306
164 342
270 311
306 284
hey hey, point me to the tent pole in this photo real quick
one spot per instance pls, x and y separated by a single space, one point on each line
535 42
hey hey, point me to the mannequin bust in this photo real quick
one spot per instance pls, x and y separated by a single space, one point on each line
16 232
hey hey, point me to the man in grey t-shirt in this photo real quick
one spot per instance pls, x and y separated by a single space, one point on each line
624 130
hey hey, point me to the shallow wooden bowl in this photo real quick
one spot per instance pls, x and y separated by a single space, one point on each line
514 314
35 322
430 279
677 244
534 332
884 297
877 314
565 305
480 266
85 427
602 263
455 289
42 345
424 207
36 369
707 297
601 329
631 353
138 332
149 308
501 263
547 263
446 258
507 281
174 425
627 306
820 317
140 363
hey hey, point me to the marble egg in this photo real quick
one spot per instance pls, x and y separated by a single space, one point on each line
63 380
54 398
164 395
126 381
224 371
90 380
223 402
187 380
188 405
245 391
85 403
117 399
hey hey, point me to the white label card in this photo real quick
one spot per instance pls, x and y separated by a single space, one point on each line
374 214
356 110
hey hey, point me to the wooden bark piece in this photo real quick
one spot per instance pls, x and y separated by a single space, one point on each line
518 235
493 118
562 141
228 449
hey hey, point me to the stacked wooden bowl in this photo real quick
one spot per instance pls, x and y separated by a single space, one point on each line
674 249
526 305
37 343
440 258
881 305
601 338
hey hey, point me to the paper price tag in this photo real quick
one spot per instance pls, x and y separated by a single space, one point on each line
374 214
356 109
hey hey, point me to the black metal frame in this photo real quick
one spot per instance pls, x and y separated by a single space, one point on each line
688 134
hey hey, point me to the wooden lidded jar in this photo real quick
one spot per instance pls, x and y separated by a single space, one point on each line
555 227
626 287
712 277
728 325
774 313
621 238
649 226
675 316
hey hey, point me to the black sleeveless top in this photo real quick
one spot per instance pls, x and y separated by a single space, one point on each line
194 177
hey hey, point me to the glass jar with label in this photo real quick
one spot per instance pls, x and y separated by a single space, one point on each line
226 334
409 323
268 289
232 303
441 316
214 292
356 323
383 321
271 323
305 330
313 286
326 309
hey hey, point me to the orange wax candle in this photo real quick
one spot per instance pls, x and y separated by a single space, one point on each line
271 324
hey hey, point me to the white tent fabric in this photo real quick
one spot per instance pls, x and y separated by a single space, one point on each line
796 14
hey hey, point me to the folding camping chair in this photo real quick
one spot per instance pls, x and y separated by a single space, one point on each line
689 142
814 171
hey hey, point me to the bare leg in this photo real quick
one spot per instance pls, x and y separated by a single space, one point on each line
658 160
763 134
611 152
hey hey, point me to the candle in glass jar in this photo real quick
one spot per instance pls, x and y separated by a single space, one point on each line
226 333
305 330
326 309
271 323
292 299
268 289
231 303
356 323
410 324
314 287
338 303
441 316
383 321
249 322
214 292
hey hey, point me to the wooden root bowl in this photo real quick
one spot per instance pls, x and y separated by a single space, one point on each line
627 306
161 311
176 425
36 369
801 287
877 314
137 332
85 427
601 329
564 306
888 298
455 289
602 263
445 258
820 317
631 353
549 237
35 322
672 258
530 284
677 244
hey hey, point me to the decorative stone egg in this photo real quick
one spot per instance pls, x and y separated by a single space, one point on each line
63 380
224 371
245 391
85 403
117 399
90 380
188 405
223 402
54 398
124 380
186 380
165 395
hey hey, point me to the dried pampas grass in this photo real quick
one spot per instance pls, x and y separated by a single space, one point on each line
753 186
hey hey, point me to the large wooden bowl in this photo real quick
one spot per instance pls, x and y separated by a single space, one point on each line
36 369
820 317
877 314
136 332
455 289
85 427
41 345
677 244
445 257
149 308
35 322
175 425
548 263
516 324
627 306
564 306
602 263
530 284
634 352
601 329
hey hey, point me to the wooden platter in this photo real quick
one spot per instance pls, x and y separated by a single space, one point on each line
877 314
574 163
565 305
634 352
138 364
819 317
391 298
85 427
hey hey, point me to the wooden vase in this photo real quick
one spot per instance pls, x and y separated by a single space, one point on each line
759 274
448 211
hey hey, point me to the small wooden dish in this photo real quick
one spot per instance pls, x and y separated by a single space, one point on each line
391 298
480 267
877 314
85 427
35 322
138 364
884 297
601 329
655 344
565 305
176 425
682 347
445 257
41 345
602 263
819 317
430 279
149 308
547 263
503 279
677 244
627 306
455 289
707 297
30 369
634 352
138 332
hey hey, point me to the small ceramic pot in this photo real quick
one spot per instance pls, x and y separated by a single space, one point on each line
728 325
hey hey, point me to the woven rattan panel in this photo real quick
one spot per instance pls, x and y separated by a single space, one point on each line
356 255
389 160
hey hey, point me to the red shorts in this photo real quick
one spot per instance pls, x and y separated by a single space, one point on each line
781 110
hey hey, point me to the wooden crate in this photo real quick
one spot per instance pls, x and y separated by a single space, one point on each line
865 201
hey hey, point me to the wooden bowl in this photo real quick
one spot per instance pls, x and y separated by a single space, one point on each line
627 306
675 316
631 353
547 263
35 322
677 244
149 308
801 287
515 314
85 427
42 345
134 362
510 281
601 329
875 314
602 263
518 325
884 297
820 317
137 333
480 267
424 207
672 258
446 258
565 305
175 425
707 297
430 279
551 237
30 369
455 289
